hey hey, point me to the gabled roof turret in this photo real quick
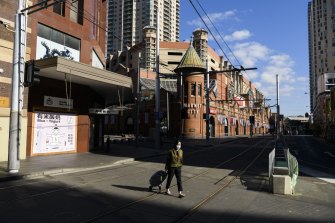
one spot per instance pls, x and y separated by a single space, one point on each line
191 62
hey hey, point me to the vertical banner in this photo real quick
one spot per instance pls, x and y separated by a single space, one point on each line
54 132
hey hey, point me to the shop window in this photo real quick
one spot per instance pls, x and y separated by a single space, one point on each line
58 37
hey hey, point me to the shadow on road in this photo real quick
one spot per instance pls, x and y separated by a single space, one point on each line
131 187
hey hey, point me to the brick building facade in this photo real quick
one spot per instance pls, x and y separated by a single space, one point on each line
62 114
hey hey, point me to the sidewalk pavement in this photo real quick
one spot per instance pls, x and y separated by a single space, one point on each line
37 166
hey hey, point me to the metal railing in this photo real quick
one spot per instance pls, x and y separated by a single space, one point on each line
282 162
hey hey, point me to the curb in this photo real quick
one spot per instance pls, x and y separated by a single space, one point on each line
60 171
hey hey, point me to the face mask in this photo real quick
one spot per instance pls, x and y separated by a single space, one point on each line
178 146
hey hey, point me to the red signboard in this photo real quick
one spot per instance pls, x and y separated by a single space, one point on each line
240 101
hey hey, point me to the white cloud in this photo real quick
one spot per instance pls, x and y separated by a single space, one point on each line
250 53
282 60
238 35
257 84
217 36
251 75
214 17
267 90
286 90
254 54
281 64
303 79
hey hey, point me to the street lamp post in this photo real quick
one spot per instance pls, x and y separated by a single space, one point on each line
138 100
278 108
207 104
17 89
157 89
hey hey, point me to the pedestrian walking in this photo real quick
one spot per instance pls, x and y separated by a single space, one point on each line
173 166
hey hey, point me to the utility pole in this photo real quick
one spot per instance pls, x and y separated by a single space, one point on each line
157 90
138 97
17 89
207 104
278 108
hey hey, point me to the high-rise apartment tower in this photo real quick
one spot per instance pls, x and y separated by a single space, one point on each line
321 36
127 18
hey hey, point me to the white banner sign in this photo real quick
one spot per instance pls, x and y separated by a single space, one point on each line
54 132
47 49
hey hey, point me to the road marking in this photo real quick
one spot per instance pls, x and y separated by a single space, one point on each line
317 174
330 154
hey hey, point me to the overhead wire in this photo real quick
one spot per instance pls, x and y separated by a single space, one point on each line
209 31
104 29
92 20
232 53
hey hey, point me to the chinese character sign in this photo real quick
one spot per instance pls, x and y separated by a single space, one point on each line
54 132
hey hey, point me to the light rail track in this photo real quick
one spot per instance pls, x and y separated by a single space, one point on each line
108 212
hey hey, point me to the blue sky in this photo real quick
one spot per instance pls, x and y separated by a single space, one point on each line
271 35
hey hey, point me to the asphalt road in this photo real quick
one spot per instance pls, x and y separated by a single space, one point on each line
223 183
315 156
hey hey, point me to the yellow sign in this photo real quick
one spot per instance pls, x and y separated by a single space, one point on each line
4 102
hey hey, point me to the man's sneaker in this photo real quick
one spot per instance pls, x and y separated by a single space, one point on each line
181 195
168 192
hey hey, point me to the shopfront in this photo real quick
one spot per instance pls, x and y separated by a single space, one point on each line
59 119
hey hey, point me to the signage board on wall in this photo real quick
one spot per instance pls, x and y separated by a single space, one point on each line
4 102
240 101
58 102
54 132
102 111
47 48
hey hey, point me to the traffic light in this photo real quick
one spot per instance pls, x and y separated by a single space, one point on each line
31 74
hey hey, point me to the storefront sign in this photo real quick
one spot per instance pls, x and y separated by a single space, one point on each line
58 102
4 102
103 111
240 101
54 132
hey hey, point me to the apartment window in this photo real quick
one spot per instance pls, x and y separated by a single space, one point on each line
173 62
76 12
193 89
230 93
175 53
59 8
199 90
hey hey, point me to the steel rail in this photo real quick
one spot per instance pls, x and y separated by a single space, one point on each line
109 212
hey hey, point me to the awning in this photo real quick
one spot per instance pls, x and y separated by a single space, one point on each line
108 84
169 85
